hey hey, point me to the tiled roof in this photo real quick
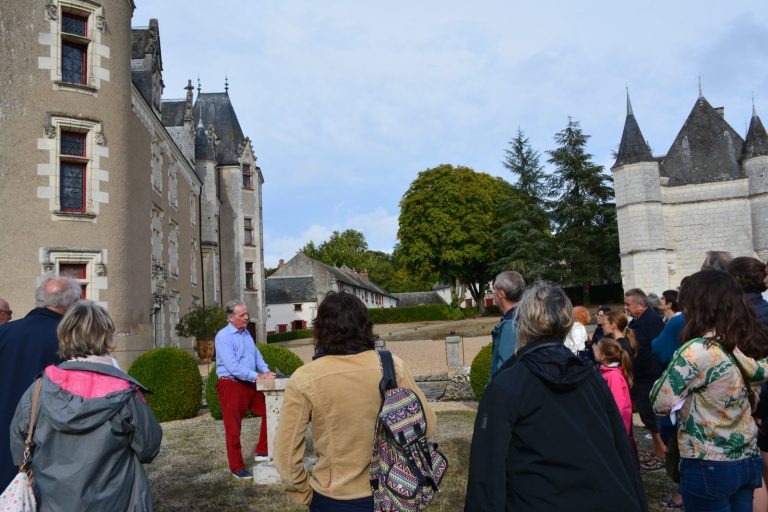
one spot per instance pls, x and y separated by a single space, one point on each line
290 290
217 110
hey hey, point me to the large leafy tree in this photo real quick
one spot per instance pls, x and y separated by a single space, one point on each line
447 219
524 238
583 212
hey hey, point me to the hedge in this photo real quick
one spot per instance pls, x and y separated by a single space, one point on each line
174 379
275 357
290 335
419 313
480 371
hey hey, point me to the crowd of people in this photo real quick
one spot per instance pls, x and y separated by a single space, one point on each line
553 431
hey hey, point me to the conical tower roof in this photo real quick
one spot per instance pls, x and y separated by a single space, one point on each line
757 138
707 149
633 147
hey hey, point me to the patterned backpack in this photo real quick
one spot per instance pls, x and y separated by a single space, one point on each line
406 469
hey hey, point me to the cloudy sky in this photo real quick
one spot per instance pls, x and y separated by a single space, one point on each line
346 101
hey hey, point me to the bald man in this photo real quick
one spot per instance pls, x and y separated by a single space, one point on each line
5 311
27 346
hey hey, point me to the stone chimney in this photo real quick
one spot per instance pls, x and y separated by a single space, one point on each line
363 275
280 264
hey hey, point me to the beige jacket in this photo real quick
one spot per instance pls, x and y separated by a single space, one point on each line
340 395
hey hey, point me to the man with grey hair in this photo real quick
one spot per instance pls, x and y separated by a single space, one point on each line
646 325
27 346
5 311
716 260
508 287
238 365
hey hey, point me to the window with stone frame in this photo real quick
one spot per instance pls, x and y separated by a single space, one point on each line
247 176
173 249
248 224
75 41
249 275
76 271
73 165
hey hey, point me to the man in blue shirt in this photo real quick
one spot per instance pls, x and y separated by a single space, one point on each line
508 287
238 365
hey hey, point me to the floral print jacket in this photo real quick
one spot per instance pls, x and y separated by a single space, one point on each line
715 421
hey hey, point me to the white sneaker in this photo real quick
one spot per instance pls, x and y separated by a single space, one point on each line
260 458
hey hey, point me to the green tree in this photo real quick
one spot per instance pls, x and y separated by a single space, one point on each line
342 248
446 223
583 213
524 237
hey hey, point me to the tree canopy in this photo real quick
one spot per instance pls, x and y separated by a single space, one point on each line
447 221
524 237
582 212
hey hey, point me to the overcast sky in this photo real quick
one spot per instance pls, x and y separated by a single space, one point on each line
346 101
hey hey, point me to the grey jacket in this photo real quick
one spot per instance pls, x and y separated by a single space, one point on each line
94 430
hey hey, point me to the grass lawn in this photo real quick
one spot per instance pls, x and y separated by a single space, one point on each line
191 473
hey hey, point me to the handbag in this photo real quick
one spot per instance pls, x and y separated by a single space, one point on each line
18 496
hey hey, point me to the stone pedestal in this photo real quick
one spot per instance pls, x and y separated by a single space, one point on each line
265 473
455 355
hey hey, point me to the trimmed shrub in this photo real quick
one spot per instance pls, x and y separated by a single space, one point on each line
492 310
174 379
212 395
290 335
480 371
275 357
280 357
421 313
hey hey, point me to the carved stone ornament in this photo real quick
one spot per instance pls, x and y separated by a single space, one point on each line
101 269
52 10
50 131
100 23
99 138
48 267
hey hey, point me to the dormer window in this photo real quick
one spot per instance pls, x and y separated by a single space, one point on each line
247 176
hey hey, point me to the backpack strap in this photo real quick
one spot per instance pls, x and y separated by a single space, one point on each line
388 378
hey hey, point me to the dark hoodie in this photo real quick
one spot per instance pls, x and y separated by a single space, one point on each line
548 436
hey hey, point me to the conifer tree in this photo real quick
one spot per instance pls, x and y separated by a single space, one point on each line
582 212
524 239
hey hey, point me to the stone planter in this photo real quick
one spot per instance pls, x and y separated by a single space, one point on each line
205 349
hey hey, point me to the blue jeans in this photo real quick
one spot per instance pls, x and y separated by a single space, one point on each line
322 503
719 486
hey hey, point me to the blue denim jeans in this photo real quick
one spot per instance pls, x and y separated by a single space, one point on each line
322 503
719 486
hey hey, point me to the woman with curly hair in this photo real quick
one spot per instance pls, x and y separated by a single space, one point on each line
339 392
709 380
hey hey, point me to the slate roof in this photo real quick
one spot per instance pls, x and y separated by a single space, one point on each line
204 149
173 112
218 111
290 290
418 298
757 139
633 147
706 150
347 275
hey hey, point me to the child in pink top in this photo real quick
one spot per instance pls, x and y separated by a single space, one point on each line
616 369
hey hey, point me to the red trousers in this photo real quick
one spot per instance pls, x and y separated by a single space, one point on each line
237 398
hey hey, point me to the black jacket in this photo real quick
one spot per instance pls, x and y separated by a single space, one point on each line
548 436
647 327
27 346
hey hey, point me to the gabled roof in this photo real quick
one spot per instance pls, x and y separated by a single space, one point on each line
757 139
706 150
217 110
173 112
418 298
632 148
290 290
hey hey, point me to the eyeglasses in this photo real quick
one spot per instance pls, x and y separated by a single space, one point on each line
7 312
